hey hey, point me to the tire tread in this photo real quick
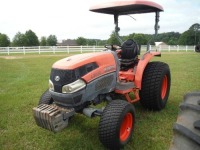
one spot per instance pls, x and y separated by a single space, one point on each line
109 123
150 92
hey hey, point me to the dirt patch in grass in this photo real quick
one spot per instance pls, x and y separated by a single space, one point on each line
11 57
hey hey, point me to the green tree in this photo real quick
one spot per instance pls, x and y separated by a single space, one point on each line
43 41
19 40
31 38
196 30
113 39
4 40
51 40
102 42
130 36
195 27
173 41
92 42
191 36
140 39
185 38
170 38
81 41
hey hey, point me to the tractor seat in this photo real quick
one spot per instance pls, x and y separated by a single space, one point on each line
129 52
129 49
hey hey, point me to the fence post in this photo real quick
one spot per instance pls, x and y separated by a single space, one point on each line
68 49
194 48
177 48
169 48
8 50
53 49
186 47
81 49
39 49
93 49
24 50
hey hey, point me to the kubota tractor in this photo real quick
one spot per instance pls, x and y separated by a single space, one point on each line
116 75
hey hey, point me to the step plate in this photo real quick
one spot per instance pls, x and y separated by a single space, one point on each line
122 86
52 117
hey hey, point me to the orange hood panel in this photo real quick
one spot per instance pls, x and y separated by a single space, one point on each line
105 61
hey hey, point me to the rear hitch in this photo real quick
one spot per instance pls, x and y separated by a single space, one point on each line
52 117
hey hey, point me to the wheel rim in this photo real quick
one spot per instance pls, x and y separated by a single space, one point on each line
126 127
164 87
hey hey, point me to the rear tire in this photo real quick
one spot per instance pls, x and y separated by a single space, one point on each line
46 98
117 124
156 83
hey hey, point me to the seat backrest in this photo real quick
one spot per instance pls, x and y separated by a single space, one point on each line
129 49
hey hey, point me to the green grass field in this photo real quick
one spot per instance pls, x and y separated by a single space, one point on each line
24 78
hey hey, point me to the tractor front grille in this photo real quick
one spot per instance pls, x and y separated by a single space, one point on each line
63 77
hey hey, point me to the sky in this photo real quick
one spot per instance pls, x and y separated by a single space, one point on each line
72 19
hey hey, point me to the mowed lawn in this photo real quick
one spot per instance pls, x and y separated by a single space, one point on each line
24 78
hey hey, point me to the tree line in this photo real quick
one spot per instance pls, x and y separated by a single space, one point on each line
189 37
29 38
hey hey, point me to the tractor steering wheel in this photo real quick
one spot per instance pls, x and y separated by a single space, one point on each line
112 47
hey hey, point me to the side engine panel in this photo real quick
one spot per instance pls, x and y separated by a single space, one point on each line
101 85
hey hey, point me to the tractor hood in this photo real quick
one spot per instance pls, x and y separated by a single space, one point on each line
87 66
76 61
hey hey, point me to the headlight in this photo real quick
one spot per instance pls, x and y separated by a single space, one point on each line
73 87
51 86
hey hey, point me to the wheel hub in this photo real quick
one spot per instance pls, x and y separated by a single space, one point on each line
164 87
126 127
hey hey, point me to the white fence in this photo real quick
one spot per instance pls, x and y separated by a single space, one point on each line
83 49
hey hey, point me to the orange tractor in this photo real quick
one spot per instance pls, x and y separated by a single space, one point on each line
116 75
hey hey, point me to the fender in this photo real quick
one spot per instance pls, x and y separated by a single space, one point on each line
142 65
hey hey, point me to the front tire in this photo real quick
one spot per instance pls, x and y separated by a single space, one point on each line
46 98
156 82
117 124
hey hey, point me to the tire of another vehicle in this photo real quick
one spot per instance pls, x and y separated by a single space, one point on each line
187 127
46 98
156 82
197 48
116 124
